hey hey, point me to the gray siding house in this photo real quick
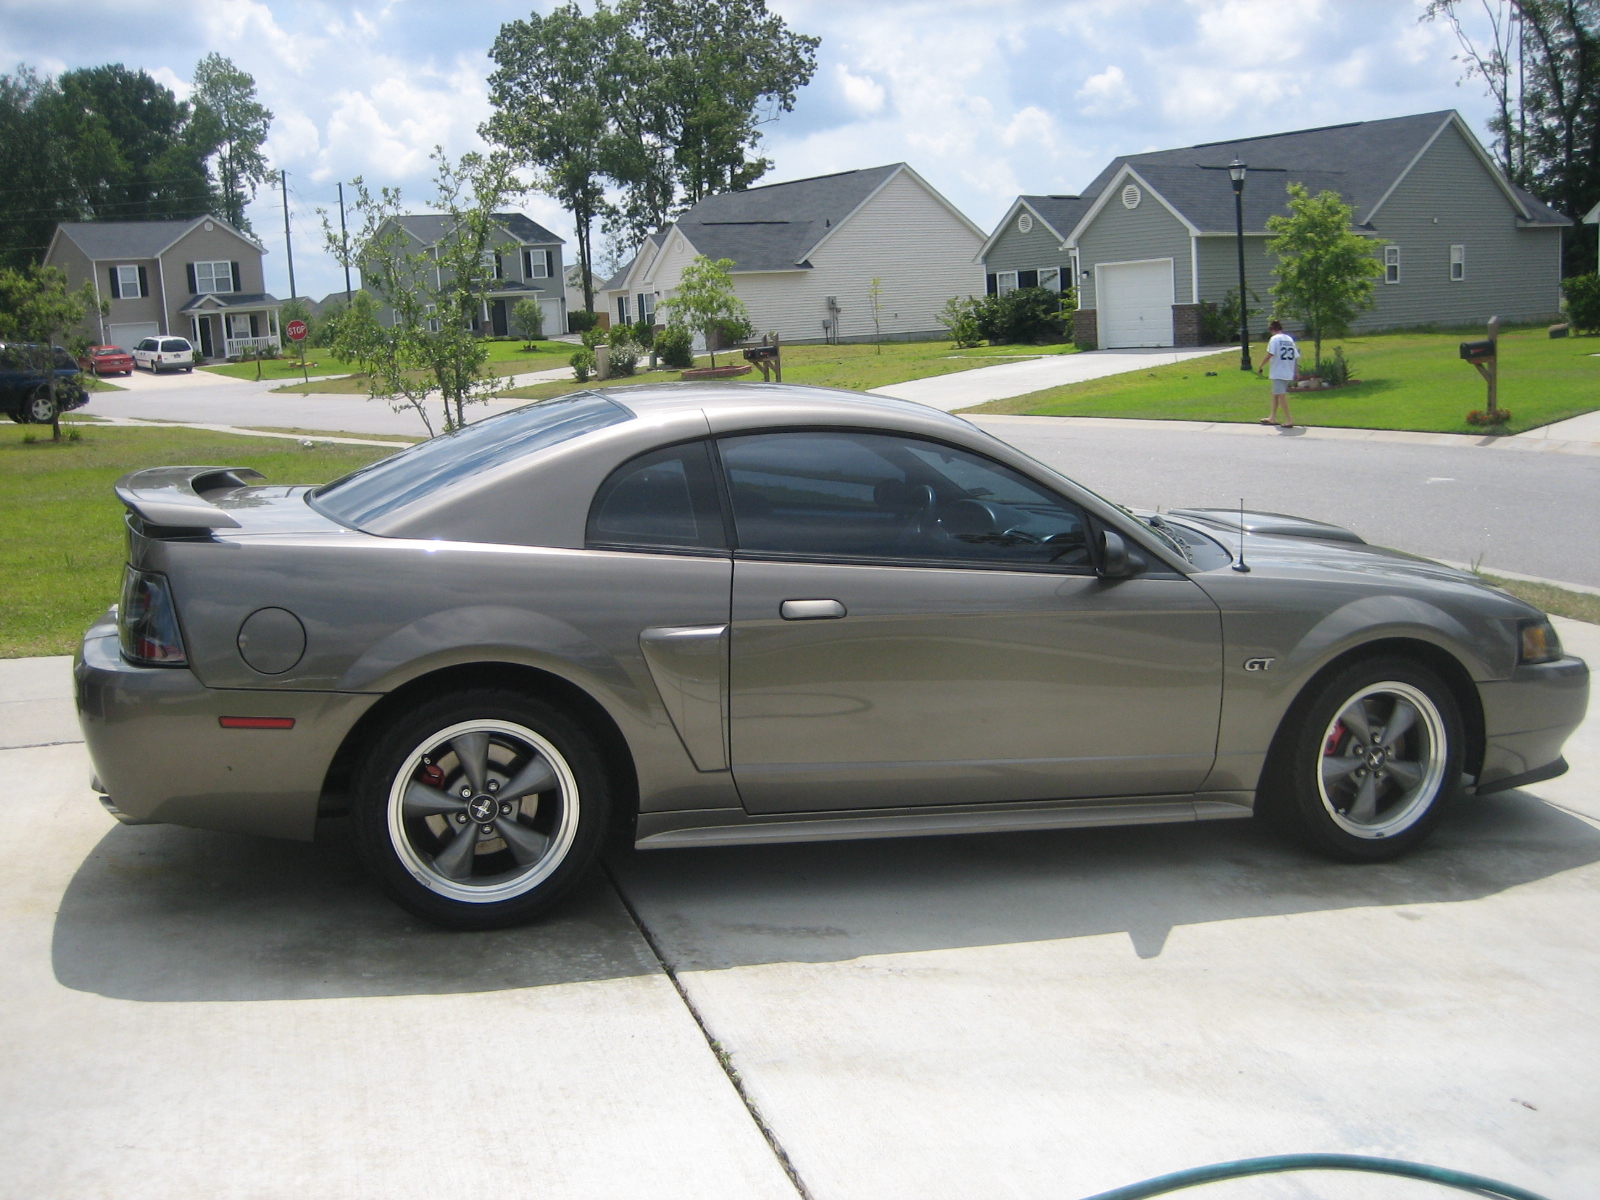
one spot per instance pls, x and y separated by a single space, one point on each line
1154 235
200 279
527 264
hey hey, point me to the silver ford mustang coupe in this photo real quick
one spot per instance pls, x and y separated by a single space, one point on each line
695 615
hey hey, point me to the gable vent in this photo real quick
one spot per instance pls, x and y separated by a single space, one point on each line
1131 196
1024 223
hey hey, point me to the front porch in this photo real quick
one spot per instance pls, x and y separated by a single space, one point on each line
231 327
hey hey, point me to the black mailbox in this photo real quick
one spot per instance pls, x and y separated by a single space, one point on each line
757 354
1477 352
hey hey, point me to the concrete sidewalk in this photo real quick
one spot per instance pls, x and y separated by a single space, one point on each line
963 389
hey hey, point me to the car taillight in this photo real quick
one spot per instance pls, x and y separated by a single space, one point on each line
147 621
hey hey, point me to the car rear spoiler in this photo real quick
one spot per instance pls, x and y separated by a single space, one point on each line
1272 524
181 497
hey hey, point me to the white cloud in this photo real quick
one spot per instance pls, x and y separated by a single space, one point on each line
1106 93
862 92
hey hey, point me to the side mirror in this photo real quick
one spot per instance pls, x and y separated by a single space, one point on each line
1116 560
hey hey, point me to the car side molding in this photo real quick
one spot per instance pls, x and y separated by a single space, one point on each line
673 830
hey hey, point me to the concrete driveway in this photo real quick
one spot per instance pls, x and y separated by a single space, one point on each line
963 389
189 1014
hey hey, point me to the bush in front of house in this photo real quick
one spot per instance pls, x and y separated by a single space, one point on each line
644 332
675 347
731 331
1026 316
960 317
1583 302
624 350
583 362
1219 323
527 318
582 321
1335 371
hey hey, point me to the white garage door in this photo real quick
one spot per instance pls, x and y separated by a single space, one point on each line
126 335
1135 303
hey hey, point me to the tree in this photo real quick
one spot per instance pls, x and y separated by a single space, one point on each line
1326 273
550 112
959 316
875 304
383 356
527 318
33 162
230 118
1556 129
704 300
37 307
722 69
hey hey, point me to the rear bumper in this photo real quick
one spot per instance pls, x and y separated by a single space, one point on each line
1526 721
157 748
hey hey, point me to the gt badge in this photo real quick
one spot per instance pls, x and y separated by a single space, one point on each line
1258 664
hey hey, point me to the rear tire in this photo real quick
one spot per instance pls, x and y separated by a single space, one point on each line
481 809
1369 766
39 408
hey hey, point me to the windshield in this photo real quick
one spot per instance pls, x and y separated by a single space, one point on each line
393 482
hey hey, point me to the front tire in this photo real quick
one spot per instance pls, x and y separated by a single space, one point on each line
481 809
1371 764
40 408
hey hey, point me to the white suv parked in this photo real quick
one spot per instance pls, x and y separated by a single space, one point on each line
157 354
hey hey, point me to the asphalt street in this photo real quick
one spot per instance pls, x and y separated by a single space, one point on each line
188 1015
1520 510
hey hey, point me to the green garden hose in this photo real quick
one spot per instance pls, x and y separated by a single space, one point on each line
1277 1163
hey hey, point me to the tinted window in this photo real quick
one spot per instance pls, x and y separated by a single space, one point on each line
665 499
422 470
868 495
175 344
147 344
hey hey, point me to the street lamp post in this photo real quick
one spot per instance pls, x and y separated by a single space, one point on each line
1236 170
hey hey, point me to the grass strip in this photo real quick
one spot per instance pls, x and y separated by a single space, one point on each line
1563 602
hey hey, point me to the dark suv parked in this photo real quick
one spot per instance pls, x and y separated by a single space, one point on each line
25 383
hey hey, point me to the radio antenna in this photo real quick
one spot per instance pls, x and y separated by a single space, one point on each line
1241 565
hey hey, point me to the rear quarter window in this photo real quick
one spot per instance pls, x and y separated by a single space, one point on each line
401 479
172 344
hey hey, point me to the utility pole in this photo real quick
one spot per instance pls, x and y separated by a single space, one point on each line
288 245
344 244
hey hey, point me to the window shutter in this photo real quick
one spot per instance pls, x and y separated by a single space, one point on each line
116 285
236 284
255 325
550 264
527 264
194 288
994 286
144 283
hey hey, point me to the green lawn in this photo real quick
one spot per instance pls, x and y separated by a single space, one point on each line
1409 381
505 358
855 366
61 545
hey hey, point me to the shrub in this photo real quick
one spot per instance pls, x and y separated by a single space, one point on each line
527 318
732 330
1334 371
960 317
593 336
1583 302
1499 416
1030 316
624 350
582 321
582 361
675 347
1219 323
644 332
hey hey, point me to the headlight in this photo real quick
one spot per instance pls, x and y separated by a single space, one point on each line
1538 642
147 621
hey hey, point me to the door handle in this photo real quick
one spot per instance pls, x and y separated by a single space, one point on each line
811 610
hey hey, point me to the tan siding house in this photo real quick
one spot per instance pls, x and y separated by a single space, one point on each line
199 279
805 254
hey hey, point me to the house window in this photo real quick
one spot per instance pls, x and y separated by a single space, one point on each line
1391 264
536 264
1458 264
1027 279
239 325
1050 278
491 264
1025 224
128 283
433 321
1005 282
213 277
622 310
647 307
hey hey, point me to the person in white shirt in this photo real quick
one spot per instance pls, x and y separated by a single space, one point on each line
1282 366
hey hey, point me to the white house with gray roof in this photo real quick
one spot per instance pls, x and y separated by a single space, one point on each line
527 265
805 254
200 279
1154 235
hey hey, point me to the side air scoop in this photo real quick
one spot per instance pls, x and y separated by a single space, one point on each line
181 497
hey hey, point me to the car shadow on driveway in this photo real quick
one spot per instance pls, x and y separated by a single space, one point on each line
743 906
160 913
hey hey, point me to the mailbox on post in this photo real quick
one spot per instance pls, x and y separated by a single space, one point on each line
768 355
1485 357
1478 352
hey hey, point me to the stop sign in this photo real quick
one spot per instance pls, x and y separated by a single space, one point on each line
296 331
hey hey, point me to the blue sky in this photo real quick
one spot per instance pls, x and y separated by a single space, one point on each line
983 99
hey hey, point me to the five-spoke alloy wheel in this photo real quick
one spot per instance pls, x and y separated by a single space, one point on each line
1365 770
481 809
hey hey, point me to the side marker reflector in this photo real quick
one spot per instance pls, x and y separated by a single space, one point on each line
256 722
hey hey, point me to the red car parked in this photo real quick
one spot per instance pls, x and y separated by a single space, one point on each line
107 360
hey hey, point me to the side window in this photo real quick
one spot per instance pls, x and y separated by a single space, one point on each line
664 500
882 496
